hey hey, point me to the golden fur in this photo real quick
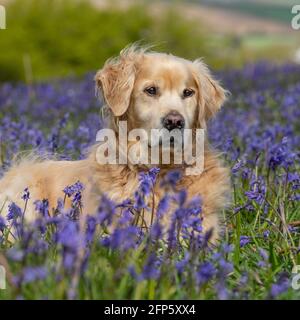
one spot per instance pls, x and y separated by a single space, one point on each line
121 82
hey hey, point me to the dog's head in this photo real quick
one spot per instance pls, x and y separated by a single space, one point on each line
157 90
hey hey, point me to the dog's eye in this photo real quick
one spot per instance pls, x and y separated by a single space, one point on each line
152 91
188 93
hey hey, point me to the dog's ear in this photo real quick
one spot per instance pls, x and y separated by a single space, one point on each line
115 82
211 95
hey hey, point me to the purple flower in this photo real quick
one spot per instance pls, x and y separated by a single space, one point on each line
163 206
42 207
205 273
153 173
126 218
266 234
182 264
257 192
139 200
68 235
172 178
181 197
2 224
227 248
26 195
122 239
15 254
151 268
156 231
31 274
14 212
244 240
265 257
91 228
132 272
281 286
237 166
106 211
222 291
225 267
73 189
69 259
76 201
147 181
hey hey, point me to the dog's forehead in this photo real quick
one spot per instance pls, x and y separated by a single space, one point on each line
168 70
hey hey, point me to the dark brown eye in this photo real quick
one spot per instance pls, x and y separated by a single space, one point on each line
152 91
188 93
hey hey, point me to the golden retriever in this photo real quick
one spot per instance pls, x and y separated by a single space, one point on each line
148 90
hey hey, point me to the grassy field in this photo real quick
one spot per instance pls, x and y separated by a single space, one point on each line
258 133
47 103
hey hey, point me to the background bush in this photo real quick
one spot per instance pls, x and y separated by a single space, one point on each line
56 38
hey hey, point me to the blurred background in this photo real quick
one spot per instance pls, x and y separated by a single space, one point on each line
55 38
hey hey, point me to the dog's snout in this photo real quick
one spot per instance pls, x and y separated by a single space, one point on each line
173 120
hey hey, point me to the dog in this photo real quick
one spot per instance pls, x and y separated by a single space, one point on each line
148 90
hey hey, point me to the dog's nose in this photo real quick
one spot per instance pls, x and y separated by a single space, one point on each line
173 120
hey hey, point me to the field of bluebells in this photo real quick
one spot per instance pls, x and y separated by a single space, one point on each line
258 132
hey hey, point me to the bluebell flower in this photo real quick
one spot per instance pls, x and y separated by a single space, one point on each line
14 212
91 223
227 248
2 224
153 173
156 230
257 192
222 291
126 218
266 234
163 206
122 239
172 178
42 207
15 254
182 264
132 272
281 286
263 263
225 267
26 195
237 166
244 240
77 199
151 268
205 273
73 189
68 235
31 274
181 197
106 211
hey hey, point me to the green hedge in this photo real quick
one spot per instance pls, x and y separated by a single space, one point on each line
53 38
